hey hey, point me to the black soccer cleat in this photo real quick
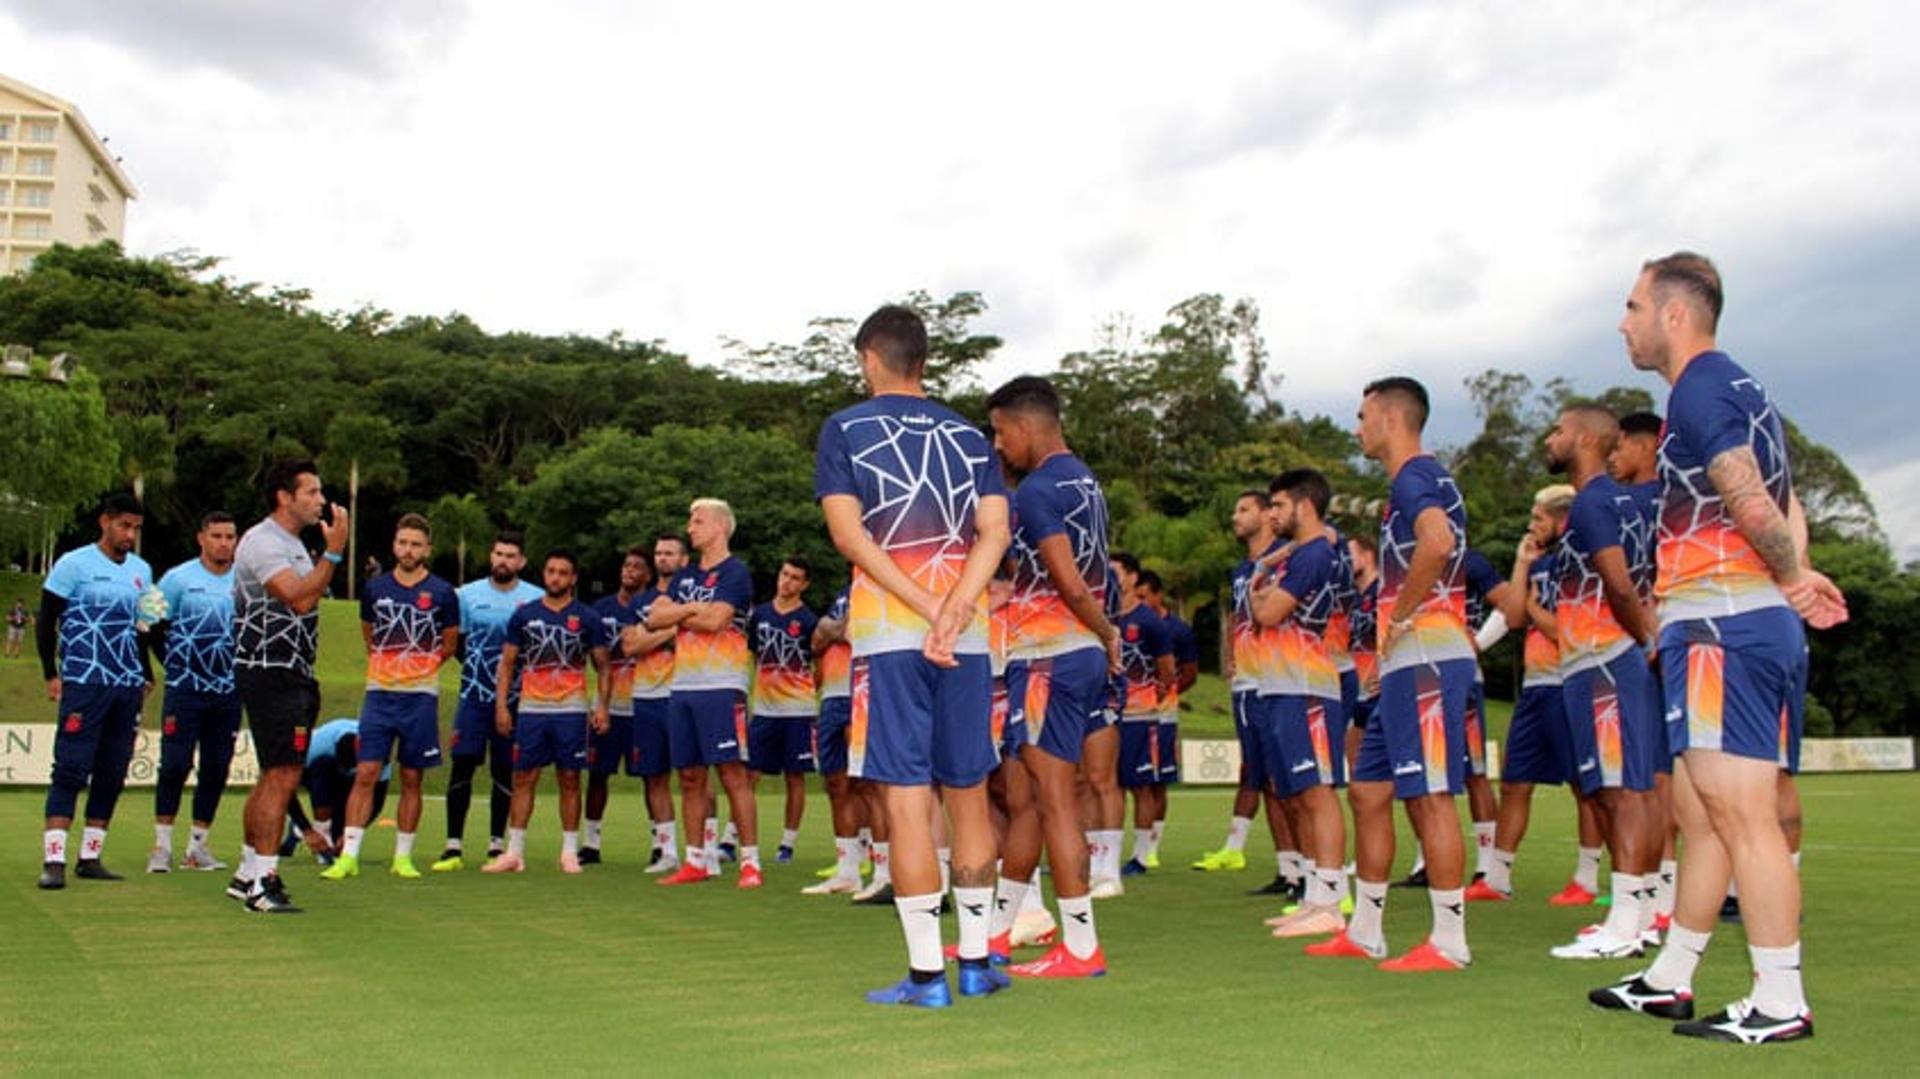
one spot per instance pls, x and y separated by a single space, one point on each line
1730 910
589 855
1740 1023
1415 879
92 869
881 898
53 876
270 897
1633 994
1277 886
653 859
238 888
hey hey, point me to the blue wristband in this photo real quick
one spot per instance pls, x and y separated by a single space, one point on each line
335 557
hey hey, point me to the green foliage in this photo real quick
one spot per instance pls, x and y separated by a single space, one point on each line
58 450
463 530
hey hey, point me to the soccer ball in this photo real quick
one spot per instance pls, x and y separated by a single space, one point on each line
152 608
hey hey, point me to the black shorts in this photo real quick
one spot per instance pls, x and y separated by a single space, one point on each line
282 706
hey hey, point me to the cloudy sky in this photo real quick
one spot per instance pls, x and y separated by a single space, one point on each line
1431 188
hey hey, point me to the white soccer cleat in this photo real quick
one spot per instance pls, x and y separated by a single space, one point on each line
1106 888
202 859
667 864
160 861
833 886
873 888
1598 944
1031 927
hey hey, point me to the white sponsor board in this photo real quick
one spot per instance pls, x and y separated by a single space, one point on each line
1856 755
26 757
1209 760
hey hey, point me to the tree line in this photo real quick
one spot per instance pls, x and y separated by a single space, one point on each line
187 384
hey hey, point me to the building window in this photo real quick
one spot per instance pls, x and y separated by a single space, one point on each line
6 162
40 131
36 165
6 130
35 195
31 230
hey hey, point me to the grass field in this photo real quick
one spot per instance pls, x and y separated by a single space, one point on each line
607 973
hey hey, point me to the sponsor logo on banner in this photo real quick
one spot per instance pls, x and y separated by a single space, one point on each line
26 757
1856 755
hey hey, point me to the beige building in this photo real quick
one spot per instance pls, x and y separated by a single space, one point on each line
58 182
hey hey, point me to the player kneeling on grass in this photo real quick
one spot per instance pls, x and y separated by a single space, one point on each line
554 639
411 622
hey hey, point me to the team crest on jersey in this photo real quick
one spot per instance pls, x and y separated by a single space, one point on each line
793 628
170 725
573 623
1133 633
712 579
424 601
300 740
140 584
73 723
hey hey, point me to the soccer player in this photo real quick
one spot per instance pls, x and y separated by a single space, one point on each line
332 772
835 656
914 501
1186 671
1604 629
1146 656
780 735
1298 704
707 602
1734 585
650 754
277 588
410 620
1538 748
555 639
1415 747
1363 641
485 607
90 627
1061 651
200 711
611 751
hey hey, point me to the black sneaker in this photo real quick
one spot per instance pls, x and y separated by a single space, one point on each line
729 852
237 888
653 859
1277 886
1633 994
1739 1022
1415 879
270 897
589 855
1730 910
53 876
881 898
91 869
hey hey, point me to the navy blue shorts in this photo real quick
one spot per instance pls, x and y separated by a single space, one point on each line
1253 754
914 723
607 752
1008 737
1139 754
830 735
209 722
1168 732
1737 685
1349 692
1362 714
648 752
707 727
98 728
474 734
1422 724
556 738
1477 727
782 744
1297 735
1539 745
1061 700
409 720
1613 723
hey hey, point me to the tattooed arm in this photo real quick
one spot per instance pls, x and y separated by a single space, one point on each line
1775 536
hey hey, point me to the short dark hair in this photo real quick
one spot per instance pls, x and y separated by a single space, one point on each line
673 537
639 552
1367 543
1641 423
799 562
119 503
1150 579
508 537
1694 274
1027 393
564 554
1408 392
898 335
414 522
1307 484
215 517
1257 495
285 475
1597 419
1126 560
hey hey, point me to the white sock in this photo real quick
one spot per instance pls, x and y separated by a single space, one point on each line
593 833
1076 927
1237 833
1796 861
882 862
1450 923
866 839
666 839
1586 871
1290 864
247 871
163 837
920 920
1673 967
697 856
517 842
973 909
455 844
944 857
198 837
1153 836
351 845
1777 989
750 856
1623 919
1328 883
1500 871
1369 911
267 865
53 845
731 834
846 858
1142 844
789 836
1483 845
403 844
570 842
92 842
1664 891
710 837
1008 900
1035 900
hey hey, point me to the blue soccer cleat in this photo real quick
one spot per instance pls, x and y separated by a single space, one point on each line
933 994
981 980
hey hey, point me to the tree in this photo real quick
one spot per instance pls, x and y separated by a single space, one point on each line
461 523
58 451
365 450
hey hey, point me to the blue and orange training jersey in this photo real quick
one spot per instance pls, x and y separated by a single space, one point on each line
1143 640
717 659
1440 619
1541 653
652 672
1366 638
407 621
1339 635
1707 569
199 652
1303 665
836 663
919 471
1252 653
1059 497
99 644
484 611
783 682
555 648
615 617
1603 515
